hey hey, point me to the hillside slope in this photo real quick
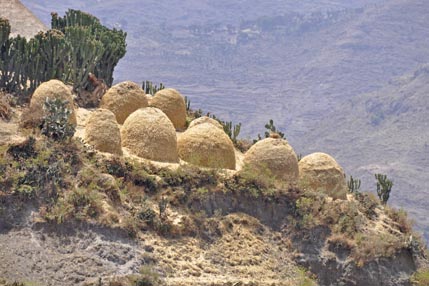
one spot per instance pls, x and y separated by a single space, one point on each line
22 20
249 63
386 132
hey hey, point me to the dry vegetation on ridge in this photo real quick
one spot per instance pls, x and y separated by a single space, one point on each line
198 225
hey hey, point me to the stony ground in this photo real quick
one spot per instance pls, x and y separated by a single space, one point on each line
75 254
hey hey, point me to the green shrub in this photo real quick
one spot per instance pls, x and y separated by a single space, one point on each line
140 177
80 204
420 277
147 214
117 166
56 123
367 204
23 150
400 217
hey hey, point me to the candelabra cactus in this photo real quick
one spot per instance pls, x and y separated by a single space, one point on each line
232 130
353 185
48 53
112 41
384 186
77 45
84 52
4 31
150 88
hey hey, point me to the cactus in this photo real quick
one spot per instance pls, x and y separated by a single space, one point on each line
113 41
187 104
232 130
271 129
84 53
77 45
49 54
150 88
384 186
4 31
73 18
353 185
114 49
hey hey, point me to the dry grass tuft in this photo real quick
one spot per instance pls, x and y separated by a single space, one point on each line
5 108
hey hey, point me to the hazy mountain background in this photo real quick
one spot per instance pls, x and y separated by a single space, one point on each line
345 77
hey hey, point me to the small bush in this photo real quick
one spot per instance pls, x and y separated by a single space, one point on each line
56 123
400 218
117 166
367 204
421 277
370 246
147 215
5 109
23 150
79 204
252 181
140 177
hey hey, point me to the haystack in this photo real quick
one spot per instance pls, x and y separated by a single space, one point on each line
205 119
273 157
123 99
149 133
172 103
51 89
102 131
320 172
206 145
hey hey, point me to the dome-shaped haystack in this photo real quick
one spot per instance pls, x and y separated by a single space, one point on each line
205 119
273 157
207 146
123 99
320 172
148 133
102 132
172 103
51 89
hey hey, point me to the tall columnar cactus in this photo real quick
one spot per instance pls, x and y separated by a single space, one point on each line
150 88
4 50
384 186
4 31
114 49
84 53
353 185
77 45
73 18
188 104
232 130
112 41
53 50
48 54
